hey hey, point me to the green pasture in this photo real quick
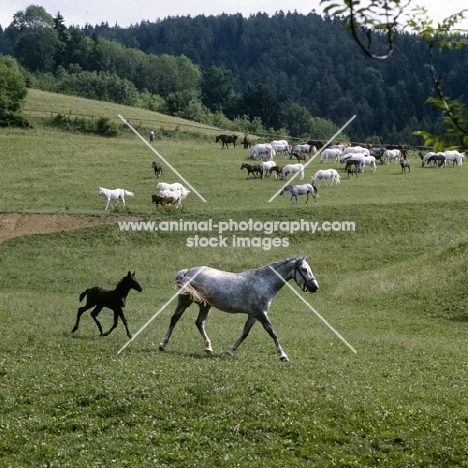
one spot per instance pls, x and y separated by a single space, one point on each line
395 288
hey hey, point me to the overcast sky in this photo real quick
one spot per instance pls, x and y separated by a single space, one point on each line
127 12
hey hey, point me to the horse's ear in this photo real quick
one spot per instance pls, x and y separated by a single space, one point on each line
133 274
129 274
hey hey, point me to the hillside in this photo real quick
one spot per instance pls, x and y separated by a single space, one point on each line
280 70
394 288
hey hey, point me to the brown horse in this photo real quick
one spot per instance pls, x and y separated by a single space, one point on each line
112 299
277 169
351 169
256 169
163 200
300 157
226 139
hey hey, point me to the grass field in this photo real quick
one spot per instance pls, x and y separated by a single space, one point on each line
395 288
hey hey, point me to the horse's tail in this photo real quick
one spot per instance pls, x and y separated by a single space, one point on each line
183 282
337 178
83 294
184 192
130 194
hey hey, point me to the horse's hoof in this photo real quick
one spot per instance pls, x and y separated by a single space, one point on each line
229 353
209 351
161 347
284 358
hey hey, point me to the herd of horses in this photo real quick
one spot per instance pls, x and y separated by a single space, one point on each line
233 292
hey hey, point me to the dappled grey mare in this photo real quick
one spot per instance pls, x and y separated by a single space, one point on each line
250 292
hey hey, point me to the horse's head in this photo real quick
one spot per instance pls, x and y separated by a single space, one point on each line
217 139
303 275
133 282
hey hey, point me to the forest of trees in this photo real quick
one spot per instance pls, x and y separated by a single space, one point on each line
287 71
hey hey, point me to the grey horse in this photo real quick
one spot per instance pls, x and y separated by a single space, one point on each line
250 292
304 189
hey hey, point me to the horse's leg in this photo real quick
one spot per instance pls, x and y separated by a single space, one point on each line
263 319
200 323
118 312
108 202
183 303
94 315
248 325
81 311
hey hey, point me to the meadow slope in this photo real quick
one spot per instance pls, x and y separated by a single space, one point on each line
395 288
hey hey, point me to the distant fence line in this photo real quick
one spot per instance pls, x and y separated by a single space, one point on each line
198 127
164 122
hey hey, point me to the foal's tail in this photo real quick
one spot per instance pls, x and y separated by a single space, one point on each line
83 294
130 194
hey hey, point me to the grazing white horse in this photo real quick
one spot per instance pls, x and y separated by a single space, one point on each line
260 149
454 156
303 149
267 165
292 168
304 189
369 161
334 153
390 155
323 175
175 186
356 150
281 146
114 195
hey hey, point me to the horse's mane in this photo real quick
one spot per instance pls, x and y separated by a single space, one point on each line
280 262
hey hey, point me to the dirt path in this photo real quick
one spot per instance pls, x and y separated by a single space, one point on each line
20 224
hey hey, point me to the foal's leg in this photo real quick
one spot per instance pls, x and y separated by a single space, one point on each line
94 315
200 323
248 325
118 312
81 311
271 331
183 303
